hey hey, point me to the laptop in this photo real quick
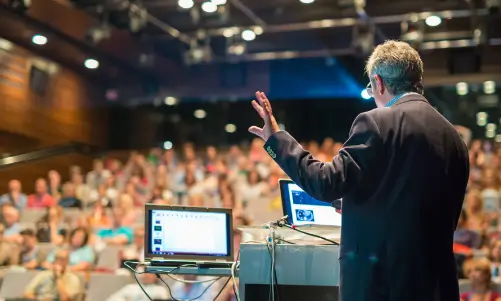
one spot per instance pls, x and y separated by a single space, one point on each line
303 210
184 235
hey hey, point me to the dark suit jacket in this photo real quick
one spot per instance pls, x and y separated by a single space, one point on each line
402 175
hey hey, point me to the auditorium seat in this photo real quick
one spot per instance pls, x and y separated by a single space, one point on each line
101 286
32 215
14 284
44 250
109 258
464 286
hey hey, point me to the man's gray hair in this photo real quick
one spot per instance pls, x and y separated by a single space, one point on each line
399 65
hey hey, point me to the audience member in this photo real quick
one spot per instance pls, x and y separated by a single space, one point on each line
118 234
40 198
53 227
15 196
479 274
8 251
11 223
69 198
58 283
30 252
81 255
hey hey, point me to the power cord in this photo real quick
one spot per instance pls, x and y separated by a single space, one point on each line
283 223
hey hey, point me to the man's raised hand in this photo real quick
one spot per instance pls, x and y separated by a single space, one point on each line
263 108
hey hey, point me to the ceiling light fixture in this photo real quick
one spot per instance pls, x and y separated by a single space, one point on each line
248 35
39 39
433 21
306 1
91 64
185 4
209 7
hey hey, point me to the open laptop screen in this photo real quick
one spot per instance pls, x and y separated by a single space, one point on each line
302 209
189 233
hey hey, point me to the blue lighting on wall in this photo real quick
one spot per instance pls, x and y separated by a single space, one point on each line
312 78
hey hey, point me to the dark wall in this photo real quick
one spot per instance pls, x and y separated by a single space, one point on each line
148 126
47 106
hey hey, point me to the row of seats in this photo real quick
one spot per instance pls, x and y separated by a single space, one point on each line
99 288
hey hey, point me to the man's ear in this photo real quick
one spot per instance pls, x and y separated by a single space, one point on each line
380 88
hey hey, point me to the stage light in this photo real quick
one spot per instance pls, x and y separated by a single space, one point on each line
170 101
306 1
219 2
91 64
489 87
230 128
209 7
462 88
185 4
433 21
258 30
248 35
482 118
200 114
365 94
39 39
168 145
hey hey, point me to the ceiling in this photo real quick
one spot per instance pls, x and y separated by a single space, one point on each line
287 29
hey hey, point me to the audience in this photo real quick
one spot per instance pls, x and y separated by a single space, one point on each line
104 209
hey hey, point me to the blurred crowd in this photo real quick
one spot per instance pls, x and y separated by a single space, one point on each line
70 228
93 223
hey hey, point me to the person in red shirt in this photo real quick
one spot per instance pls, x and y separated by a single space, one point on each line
479 274
41 199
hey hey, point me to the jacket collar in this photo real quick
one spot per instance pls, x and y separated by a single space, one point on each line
411 97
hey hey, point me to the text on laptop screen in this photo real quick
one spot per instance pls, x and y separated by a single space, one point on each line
176 232
302 209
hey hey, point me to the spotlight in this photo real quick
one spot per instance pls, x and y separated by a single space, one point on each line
248 35
185 4
365 94
91 64
230 128
489 87
167 145
39 39
170 101
200 114
462 88
433 21
209 7
219 2
258 30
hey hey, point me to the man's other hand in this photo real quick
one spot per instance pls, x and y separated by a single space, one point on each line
263 108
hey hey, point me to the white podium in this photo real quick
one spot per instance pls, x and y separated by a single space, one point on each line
304 272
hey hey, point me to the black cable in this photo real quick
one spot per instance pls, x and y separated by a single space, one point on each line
138 283
126 263
284 224
222 289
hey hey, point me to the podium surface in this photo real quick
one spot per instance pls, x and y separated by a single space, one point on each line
300 269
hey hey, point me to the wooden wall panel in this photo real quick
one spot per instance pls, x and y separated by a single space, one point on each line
70 110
